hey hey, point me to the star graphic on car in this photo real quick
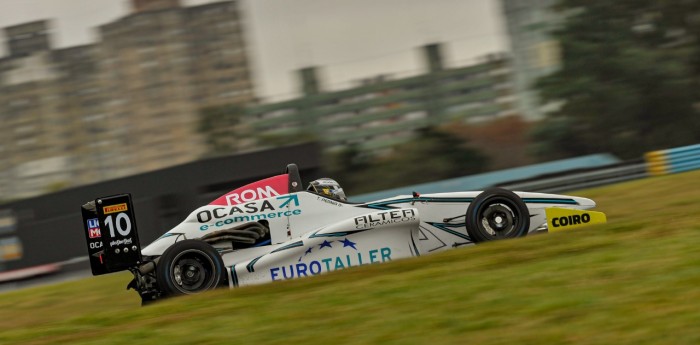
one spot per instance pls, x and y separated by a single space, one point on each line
348 243
325 244
308 251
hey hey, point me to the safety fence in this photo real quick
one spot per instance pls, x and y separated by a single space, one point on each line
673 160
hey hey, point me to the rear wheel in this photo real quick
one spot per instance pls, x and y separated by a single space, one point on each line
190 267
496 214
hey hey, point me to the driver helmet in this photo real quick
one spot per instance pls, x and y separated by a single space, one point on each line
327 187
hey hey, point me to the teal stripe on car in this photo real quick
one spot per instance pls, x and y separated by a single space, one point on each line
385 205
234 276
549 201
446 228
289 246
251 265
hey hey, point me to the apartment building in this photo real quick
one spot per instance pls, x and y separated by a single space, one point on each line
126 104
383 112
163 63
34 134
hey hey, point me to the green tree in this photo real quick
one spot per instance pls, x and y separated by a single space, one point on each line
217 125
349 166
277 140
628 81
431 156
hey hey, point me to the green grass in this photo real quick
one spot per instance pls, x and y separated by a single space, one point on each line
632 281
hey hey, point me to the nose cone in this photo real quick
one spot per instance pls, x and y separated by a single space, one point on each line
585 203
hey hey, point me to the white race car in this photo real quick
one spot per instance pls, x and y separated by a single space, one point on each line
274 230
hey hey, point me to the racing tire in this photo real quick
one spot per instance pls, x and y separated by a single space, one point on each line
497 214
190 267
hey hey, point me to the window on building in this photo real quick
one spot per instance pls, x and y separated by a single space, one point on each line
94 117
26 142
24 129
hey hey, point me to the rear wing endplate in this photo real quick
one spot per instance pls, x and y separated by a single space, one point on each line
110 231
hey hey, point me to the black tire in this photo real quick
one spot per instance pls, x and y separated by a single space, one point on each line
497 214
202 266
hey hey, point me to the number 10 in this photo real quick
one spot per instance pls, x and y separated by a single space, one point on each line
123 230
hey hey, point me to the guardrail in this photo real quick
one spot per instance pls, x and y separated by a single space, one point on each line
484 180
655 163
581 179
551 179
673 160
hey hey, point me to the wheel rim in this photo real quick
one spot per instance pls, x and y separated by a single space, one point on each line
499 220
193 271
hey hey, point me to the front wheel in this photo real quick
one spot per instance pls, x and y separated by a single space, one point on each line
190 267
496 214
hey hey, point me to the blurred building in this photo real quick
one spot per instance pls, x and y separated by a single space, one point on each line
535 53
126 104
161 65
382 112
39 107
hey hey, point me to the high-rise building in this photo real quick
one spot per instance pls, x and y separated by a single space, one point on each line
535 53
34 134
126 104
163 63
88 136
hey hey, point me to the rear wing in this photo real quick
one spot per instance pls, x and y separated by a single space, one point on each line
287 182
111 236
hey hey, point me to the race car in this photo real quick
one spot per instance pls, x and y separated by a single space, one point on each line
274 229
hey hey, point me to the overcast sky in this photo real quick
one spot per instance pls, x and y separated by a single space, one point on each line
351 39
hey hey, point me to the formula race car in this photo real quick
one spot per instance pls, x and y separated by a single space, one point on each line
274 229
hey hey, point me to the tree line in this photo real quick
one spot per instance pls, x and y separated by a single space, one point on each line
628 81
